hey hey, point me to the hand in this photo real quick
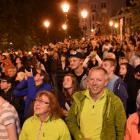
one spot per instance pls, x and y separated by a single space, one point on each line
28 73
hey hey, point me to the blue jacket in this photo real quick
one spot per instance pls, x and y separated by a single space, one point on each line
27 88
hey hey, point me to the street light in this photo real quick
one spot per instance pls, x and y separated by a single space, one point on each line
46 24
65 27
116 25
65 7
111 23
84 14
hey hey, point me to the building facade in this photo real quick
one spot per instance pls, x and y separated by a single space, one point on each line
99 13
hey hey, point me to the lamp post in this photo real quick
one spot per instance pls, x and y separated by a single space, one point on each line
46 24
84 14
111 25
116 25
65 27
65 8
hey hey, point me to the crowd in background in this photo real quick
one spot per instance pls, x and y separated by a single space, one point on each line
52 74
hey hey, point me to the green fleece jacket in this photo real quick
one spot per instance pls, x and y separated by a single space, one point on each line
114 117
34 129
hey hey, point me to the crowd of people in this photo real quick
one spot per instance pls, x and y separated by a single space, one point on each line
86 89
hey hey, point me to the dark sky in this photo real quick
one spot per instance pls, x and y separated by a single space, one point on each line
52 9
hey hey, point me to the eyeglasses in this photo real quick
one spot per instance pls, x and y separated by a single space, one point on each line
41 101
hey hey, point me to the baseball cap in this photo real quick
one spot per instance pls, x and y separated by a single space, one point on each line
74 53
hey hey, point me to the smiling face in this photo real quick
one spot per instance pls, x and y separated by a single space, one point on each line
96 82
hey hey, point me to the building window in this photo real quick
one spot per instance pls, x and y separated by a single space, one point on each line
103 5
93 7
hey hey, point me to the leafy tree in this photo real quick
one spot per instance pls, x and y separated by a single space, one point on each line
21 22
135 11
132 12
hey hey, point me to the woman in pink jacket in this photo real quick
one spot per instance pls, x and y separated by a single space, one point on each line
133 123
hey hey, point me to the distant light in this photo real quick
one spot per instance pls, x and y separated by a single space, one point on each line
111 23
65 7
83 38
84 13
11 43
29 52
92 30
116 25
46 23
64 26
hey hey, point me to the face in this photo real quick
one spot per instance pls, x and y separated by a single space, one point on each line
56 56
107 66
75 63
123 70
11 72
4 85
63 58
96 82
67 82
18 60
38 79
41 106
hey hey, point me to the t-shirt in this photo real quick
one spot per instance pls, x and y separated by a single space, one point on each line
8 115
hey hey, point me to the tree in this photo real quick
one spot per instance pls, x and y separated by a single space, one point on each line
135 15
132 15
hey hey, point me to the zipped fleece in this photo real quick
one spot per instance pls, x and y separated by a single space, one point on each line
114 117
51 129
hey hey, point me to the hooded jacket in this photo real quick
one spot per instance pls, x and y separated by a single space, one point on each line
114 117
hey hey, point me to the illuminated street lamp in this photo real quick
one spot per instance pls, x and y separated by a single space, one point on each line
65 27
46 24
92 30
116 25
65 7
84 14
111 23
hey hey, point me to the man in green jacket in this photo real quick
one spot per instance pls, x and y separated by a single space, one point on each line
96 113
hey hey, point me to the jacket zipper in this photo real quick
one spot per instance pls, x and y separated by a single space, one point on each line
39 132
